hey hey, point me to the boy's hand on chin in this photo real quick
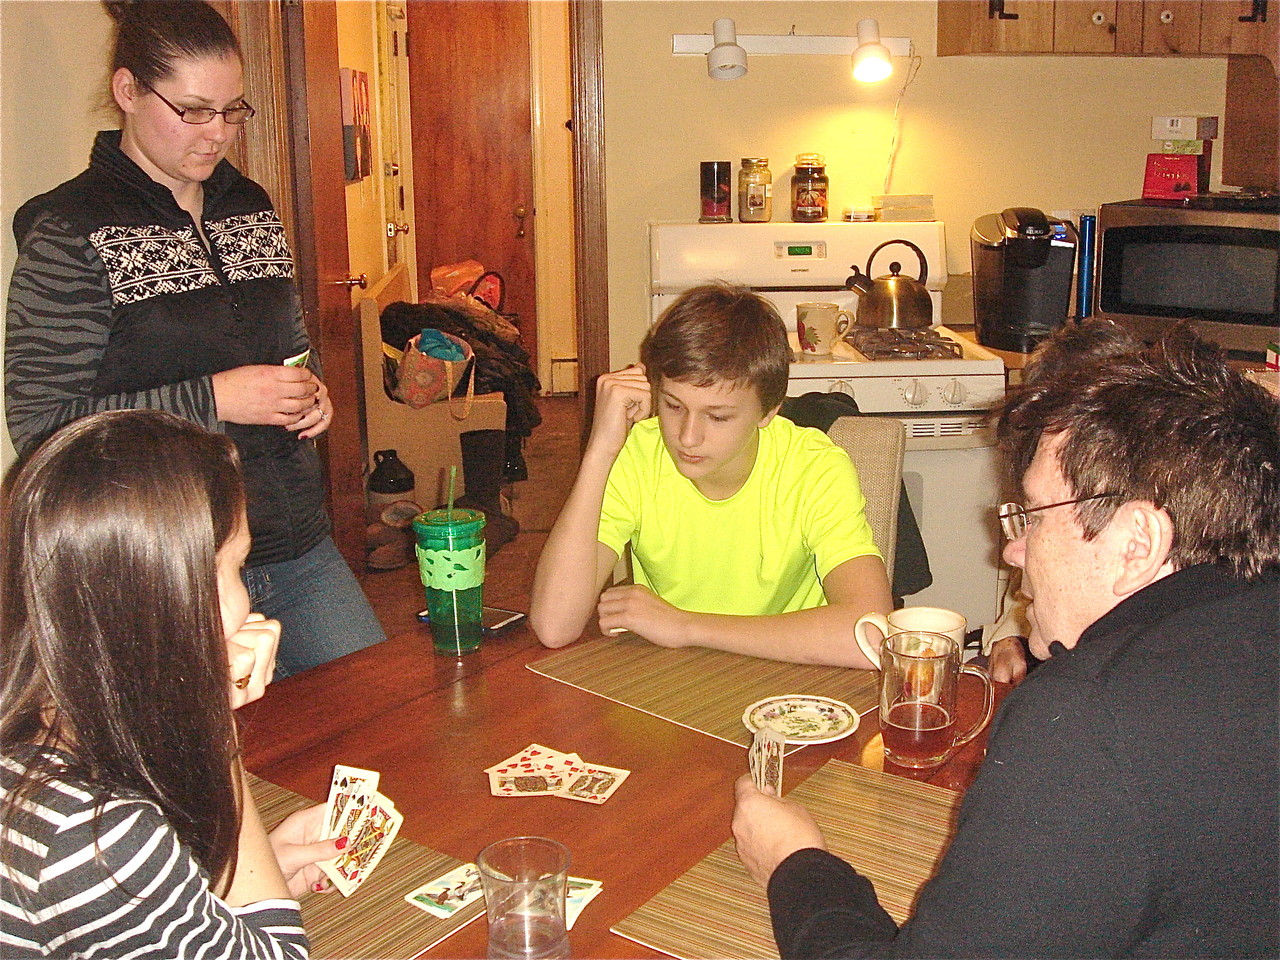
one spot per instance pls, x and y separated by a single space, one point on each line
638 609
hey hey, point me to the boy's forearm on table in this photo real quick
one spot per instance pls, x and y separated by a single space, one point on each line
565 584
821 635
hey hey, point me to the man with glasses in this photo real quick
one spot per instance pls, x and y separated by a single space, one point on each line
1127 805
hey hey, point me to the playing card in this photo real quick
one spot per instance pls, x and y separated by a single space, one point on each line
371 840
299 359
346 781
534 758
765 760
518 783
446 895
581 892
593 782
353 812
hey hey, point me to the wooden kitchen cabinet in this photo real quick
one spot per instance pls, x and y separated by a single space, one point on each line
1123 27
1222 29
1171 26
995 26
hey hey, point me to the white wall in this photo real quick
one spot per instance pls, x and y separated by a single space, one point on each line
53 76
979 133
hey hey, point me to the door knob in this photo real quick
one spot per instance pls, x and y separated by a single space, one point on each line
521 213
394 228
361 281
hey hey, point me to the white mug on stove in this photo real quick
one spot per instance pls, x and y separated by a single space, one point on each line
819 326
872 628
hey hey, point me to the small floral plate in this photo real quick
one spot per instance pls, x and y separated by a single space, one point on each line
802 718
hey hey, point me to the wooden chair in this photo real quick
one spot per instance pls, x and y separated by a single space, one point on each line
876 445
426 440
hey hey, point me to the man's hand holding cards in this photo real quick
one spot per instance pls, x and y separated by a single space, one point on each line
369 821
765 760
538 771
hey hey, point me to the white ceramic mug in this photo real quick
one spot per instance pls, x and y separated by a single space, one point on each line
872 628
819 325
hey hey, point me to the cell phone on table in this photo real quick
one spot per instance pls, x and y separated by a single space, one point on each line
492 619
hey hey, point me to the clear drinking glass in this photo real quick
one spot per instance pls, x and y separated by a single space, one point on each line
525 882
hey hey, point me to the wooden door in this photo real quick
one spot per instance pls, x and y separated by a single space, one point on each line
311 41
471 97
1171 26
1084 27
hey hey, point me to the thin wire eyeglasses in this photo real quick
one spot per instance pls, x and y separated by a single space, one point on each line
240 113
1013 516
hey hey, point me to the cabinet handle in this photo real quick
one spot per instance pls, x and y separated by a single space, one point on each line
995 11
1166 16
521 213
1258 14
1098 18
361 281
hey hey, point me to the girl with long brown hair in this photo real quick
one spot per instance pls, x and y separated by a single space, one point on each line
127 639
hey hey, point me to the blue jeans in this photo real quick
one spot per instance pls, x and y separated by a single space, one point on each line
316 598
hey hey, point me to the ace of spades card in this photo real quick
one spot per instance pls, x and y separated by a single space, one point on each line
765 759
346 783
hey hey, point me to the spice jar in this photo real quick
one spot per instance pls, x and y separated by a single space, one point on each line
809 189
755 191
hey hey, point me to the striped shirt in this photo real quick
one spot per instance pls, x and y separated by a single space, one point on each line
86 874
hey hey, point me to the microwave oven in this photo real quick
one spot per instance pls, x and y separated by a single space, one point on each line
1216 265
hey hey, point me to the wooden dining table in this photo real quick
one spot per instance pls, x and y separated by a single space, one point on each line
431 724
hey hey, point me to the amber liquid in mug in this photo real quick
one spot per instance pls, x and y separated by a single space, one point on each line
917 734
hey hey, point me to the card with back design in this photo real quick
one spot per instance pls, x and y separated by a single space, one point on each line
765 760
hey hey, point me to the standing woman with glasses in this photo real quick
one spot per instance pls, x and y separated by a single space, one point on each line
161 277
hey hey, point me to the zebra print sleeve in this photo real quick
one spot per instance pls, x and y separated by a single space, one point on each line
113 880
58 323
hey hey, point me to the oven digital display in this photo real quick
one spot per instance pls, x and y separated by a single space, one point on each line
800 251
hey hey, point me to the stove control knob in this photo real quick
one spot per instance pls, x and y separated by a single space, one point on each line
915 393
954 392
841 386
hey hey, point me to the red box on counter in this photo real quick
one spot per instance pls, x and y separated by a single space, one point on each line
1172 176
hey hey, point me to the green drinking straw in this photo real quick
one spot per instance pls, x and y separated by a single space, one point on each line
453 476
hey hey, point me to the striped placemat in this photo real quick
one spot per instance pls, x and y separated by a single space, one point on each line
704 690
375 921
894 830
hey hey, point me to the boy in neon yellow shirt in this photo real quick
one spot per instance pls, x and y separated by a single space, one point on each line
747 533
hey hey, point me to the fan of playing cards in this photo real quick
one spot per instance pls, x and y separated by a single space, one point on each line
765 759
538 771
367 819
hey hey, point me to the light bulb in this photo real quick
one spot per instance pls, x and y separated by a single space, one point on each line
871 62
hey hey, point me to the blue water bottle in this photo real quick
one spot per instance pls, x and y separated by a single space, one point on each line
1084 271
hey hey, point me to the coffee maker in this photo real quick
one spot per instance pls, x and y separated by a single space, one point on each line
1022 266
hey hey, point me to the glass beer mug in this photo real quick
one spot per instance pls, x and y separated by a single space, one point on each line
919 673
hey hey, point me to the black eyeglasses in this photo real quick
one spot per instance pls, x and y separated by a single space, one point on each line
240 113
1013 516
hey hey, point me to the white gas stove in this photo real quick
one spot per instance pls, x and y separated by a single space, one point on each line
950 470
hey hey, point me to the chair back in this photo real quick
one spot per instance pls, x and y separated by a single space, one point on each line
876 445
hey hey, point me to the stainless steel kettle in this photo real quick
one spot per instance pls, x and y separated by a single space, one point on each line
892 300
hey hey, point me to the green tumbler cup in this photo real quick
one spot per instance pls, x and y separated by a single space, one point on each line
451 565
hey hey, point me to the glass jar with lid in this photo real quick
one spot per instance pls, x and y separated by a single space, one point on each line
755 191
809 189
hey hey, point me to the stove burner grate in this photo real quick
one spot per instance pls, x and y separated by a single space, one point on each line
897 344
